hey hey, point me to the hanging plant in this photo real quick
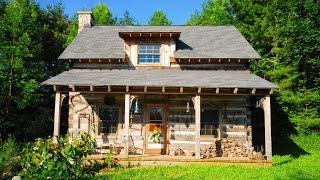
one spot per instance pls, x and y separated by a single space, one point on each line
155 136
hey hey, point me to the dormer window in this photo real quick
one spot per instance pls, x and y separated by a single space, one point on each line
149 54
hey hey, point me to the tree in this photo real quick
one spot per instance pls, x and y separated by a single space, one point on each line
102 15
30 41
217 12
159 19
285 35
72 30
127 20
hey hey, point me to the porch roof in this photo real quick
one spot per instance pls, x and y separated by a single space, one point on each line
160 78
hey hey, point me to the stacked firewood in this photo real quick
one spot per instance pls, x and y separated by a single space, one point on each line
229 147
179 152
233 148
209 152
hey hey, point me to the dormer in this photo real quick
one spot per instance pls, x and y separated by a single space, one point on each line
149 49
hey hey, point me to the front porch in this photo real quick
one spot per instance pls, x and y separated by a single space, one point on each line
179 125
196 114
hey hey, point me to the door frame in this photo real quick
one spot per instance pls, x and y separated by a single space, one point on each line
164 129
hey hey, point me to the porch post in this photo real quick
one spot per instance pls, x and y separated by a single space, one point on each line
197 108
267 127
57 111
126 122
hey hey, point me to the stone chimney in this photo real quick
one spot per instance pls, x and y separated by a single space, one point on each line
85 19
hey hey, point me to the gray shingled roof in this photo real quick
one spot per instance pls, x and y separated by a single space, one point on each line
161 77
194 42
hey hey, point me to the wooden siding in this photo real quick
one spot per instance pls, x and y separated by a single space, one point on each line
181 126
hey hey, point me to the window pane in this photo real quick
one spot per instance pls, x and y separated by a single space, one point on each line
109 117
142 51
155 113
149 54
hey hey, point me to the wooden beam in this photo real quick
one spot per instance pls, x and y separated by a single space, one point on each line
72 87
57 112
197 108
271 91
91 88
267 126
235 91
217 90
163 89
126 122
253 91
199 90
181 89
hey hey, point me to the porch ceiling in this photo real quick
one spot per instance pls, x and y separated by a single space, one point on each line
160 78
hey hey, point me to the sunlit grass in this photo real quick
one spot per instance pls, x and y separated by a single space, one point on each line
304 166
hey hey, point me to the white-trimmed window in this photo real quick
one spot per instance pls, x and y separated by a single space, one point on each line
149 54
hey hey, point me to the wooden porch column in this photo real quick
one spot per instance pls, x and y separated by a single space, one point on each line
57 111
197 108
126 122
267 126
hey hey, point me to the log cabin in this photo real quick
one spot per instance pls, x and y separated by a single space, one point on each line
164 90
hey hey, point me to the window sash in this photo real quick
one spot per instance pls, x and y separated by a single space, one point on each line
148 54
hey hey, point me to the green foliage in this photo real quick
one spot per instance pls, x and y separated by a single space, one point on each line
304 166
159 18
31 39
102 15
126 20
44 159
9 158
286 35
72 30
216 12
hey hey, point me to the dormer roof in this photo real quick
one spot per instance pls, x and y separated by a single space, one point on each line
104 42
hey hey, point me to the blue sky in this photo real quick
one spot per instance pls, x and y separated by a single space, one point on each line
178 11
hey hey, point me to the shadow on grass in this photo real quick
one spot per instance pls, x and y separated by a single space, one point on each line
282 129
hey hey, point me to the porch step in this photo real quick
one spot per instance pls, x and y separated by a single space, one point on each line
154 160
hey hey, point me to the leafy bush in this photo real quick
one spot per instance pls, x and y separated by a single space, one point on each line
9 158
44 159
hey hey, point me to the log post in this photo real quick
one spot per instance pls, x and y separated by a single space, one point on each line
267 126
126 122
197 108
57 111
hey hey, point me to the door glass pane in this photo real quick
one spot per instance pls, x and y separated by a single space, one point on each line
155 114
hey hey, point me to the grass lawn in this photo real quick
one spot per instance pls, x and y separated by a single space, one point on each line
297 158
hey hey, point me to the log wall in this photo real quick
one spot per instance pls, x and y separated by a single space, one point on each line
234 119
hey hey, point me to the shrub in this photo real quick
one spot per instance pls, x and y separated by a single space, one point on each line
9 158
44 159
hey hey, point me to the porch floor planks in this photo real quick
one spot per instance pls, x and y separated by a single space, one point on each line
151 160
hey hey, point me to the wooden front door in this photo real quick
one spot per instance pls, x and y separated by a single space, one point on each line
156 129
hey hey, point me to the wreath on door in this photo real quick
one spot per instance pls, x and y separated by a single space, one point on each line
155 136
